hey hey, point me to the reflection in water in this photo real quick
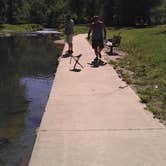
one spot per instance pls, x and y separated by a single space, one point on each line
37 88
27 65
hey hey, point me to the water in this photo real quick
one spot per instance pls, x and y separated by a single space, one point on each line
27 66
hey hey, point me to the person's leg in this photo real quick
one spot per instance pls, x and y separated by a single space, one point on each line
101 46
71 46
100 49
94 46
70 43
96 53
68 46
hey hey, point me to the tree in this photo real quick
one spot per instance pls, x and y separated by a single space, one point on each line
107 11
55 12
78 8
3 8
17 11
130 10
47 12
158 14
51 12
38 11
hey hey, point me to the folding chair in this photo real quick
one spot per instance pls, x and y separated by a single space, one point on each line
76 59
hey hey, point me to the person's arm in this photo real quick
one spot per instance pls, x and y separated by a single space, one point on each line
89 32
105 32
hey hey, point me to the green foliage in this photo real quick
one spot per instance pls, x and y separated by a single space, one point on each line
17 11
37 11
51 12
80 29
158 14
129 12
47 12
3 9
146 62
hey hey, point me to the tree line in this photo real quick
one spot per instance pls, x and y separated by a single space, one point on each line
113 12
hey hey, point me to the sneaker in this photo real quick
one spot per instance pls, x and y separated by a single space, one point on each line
96 59
70 51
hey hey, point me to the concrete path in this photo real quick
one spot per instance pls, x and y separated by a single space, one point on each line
94 119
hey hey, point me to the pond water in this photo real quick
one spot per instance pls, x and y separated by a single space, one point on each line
27 67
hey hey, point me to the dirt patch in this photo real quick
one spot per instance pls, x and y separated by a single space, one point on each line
117 54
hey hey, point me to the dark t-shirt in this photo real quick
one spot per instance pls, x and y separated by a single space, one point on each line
97 30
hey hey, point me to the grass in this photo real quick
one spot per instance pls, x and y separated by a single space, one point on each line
80 29
8 28
146 65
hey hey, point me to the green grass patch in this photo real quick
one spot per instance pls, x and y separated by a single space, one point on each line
146 63
79 29
8 28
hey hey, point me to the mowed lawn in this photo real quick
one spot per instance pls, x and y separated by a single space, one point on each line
145 65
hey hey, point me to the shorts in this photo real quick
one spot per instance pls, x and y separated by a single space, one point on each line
69 38
97 43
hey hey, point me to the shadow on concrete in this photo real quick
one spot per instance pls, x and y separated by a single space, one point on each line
112 54
97 63
66 55
75 70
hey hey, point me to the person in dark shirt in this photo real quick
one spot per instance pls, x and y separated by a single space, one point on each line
69 31
98 30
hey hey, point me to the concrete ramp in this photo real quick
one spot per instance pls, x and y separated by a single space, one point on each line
93 118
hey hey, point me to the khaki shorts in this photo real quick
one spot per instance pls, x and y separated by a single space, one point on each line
69 38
